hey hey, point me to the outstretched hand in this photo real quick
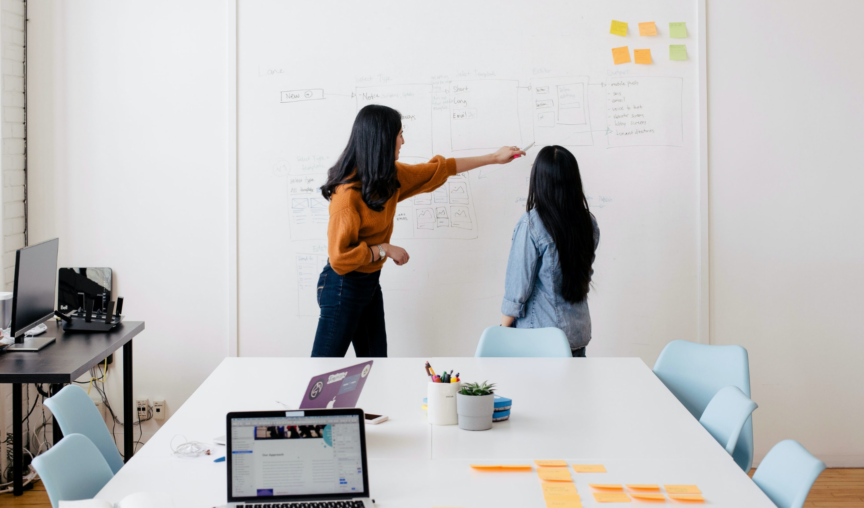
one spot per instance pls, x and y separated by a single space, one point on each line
506 154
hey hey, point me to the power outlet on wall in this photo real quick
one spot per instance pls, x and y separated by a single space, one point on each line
159 409
143 405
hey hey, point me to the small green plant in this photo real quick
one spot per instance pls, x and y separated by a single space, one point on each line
478 389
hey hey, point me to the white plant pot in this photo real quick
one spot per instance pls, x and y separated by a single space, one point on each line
475 411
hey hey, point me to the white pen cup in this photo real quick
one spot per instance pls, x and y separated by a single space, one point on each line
441 403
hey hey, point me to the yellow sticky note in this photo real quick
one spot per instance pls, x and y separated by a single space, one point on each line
611 497
682 489
558 489
647 497
642 56
642 486
551 463
554 474
621 55
485 466
516 467
648 28
678 30
589 468
689 498
563 503
677 52
618 28
606 486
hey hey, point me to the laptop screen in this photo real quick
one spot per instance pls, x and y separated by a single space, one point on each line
296 456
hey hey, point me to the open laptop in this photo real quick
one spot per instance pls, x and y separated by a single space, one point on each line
314 457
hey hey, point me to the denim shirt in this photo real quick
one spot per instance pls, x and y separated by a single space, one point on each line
532 290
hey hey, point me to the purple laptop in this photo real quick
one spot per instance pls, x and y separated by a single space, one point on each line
338 389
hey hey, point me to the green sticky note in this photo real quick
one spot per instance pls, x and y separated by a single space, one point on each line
678 30
677 52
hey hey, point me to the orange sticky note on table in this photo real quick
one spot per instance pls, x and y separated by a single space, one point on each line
516 467
642 56
647 497
648 28
485 466
558 489
563 503
618 28
621 55
689 498
642 486
611 497
606 486
551 463
682 489
554 474
589 468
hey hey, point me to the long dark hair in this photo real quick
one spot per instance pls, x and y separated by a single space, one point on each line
370 157
556 193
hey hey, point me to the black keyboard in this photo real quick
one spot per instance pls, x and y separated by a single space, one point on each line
311 504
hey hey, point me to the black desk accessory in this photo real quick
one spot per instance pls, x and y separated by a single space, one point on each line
91 283
79 321
33 293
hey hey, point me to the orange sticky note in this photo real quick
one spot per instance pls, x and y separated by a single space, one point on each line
558 489
589 468
486 466
563 503
642 56
689 498
647 497
618 28
611 497
554 474
606 486
551 463
648 28
642 486
682 489
516 467
621 55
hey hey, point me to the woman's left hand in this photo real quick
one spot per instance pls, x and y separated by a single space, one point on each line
507 321
506 154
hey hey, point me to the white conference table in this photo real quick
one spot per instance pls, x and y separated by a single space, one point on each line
610 411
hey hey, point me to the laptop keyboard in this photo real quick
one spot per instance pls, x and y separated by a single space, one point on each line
311 504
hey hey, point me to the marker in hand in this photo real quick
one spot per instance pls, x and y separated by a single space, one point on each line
524 150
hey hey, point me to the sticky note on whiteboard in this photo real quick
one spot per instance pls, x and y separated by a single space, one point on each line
621 55
642 56
618 28
678 30
677 52
647 29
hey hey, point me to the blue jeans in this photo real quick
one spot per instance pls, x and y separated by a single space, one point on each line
352 311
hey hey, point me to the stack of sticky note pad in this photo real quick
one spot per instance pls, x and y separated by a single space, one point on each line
614 493
502 409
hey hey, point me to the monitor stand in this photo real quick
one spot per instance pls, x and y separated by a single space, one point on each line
31 344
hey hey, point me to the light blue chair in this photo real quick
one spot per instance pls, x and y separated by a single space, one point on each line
76 414
786 474
726 415
72 469
695 372
500 341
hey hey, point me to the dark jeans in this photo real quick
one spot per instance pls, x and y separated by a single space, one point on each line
352 311
579 353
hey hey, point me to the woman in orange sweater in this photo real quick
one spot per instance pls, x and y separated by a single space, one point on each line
363 189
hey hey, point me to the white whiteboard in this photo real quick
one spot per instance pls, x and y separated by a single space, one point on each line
469 77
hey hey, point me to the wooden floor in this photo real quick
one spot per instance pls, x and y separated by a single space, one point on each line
835 488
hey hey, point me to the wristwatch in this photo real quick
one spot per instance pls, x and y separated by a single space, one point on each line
381 253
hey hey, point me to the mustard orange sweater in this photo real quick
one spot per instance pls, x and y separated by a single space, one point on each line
354 226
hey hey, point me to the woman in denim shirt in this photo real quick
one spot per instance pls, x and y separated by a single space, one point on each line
549 271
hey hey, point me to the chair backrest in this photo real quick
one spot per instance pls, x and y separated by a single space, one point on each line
695 372
786 474
501 341
726 414
76 414
72 469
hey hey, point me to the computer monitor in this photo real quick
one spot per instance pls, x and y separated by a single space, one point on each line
33 293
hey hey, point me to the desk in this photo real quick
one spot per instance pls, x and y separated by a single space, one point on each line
612 411
64 361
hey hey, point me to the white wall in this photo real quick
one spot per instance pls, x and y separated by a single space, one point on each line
786 120
129 143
